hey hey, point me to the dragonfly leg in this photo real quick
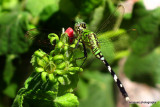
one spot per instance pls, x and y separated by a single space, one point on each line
85 55
77 44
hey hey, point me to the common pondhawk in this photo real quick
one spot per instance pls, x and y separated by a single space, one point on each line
89 39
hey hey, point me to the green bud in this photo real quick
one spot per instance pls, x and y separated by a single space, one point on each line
66 79
73 45
41 62
60 72
39 69
58 58
73 70
66 47
43 76
51 77
61 65
51 53
60 44
61 80
70 65
39 53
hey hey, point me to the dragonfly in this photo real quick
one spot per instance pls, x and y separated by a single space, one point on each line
89 39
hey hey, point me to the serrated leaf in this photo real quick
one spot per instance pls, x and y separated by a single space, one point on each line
12 26
67 100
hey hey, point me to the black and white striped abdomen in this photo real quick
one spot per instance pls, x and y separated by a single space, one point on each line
99 55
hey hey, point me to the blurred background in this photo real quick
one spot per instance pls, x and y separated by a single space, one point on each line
129 40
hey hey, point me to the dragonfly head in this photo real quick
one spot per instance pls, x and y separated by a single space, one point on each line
79 27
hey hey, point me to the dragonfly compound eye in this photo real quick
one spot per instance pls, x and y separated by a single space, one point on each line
83 25
77 27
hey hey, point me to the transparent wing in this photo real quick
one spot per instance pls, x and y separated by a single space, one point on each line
113 21
114 42
114 45
38 38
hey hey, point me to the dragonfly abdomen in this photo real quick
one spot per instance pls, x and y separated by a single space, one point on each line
96 51
99 55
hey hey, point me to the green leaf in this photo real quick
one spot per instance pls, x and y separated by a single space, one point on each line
72 80
9 69
99 90
82 88
156 104
1 105
38 6
68 9
9 4
12 26
91 5
146 23
11 90
30 98
97 17
100 15
67 100
50 10
133 105
146 66
18 101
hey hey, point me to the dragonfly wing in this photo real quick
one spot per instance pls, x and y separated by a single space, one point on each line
30 35
107 48
113 21
38 38
112 39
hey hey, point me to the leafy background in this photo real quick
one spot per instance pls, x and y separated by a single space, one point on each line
133 55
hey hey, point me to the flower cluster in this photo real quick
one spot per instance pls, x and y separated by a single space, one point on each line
54 78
